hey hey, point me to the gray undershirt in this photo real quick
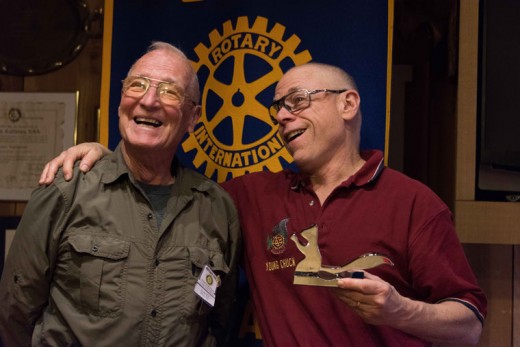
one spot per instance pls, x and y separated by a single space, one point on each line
158 196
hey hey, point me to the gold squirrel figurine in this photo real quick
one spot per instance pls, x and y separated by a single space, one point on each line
309 271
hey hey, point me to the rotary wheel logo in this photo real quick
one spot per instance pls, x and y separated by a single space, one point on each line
278 242
239 72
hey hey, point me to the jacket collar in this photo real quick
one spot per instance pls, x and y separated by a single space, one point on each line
114 168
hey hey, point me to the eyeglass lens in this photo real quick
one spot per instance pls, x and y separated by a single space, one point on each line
293 102
297 100
168 92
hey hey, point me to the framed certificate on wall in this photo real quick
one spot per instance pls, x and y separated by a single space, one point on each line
34 128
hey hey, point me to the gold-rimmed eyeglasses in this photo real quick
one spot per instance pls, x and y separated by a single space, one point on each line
168 92
296 101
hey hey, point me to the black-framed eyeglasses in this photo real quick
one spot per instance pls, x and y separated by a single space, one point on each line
168 92
297 100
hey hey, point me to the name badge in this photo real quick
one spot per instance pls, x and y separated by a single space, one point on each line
206 286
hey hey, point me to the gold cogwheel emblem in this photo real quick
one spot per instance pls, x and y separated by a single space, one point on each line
235 135
278 242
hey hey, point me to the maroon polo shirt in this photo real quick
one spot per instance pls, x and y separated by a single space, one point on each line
376 210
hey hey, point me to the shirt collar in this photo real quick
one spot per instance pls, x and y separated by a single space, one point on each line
119 168
368 173
114 168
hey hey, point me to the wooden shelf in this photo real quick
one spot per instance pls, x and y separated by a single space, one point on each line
488 222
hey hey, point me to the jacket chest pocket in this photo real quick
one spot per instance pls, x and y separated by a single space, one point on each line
199 258
99 266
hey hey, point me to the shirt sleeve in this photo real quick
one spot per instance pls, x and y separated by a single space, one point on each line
440 268
24 287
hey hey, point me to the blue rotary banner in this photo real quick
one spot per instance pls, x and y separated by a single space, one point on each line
240 49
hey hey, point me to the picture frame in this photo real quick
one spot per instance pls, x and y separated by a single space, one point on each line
34 128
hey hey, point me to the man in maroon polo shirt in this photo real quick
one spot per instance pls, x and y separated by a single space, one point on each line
356 205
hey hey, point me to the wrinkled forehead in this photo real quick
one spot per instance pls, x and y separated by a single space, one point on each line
301 77
163 65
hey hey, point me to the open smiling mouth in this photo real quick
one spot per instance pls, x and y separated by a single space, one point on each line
147 121
293 134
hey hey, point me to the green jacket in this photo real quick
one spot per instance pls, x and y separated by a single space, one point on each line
88 265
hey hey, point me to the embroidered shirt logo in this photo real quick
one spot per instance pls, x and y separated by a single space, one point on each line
278 240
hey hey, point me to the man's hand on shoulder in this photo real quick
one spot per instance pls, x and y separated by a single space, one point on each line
88 152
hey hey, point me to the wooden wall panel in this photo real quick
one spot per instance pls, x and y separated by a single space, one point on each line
11 83
516 297
493 266
7 208
467 100
83 74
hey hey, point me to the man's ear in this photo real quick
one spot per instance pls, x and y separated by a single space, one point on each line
194 117
350 103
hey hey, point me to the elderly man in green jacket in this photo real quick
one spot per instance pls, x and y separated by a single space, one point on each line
140 251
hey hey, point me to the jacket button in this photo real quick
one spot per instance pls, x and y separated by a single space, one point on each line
150 216
153 313
157 262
